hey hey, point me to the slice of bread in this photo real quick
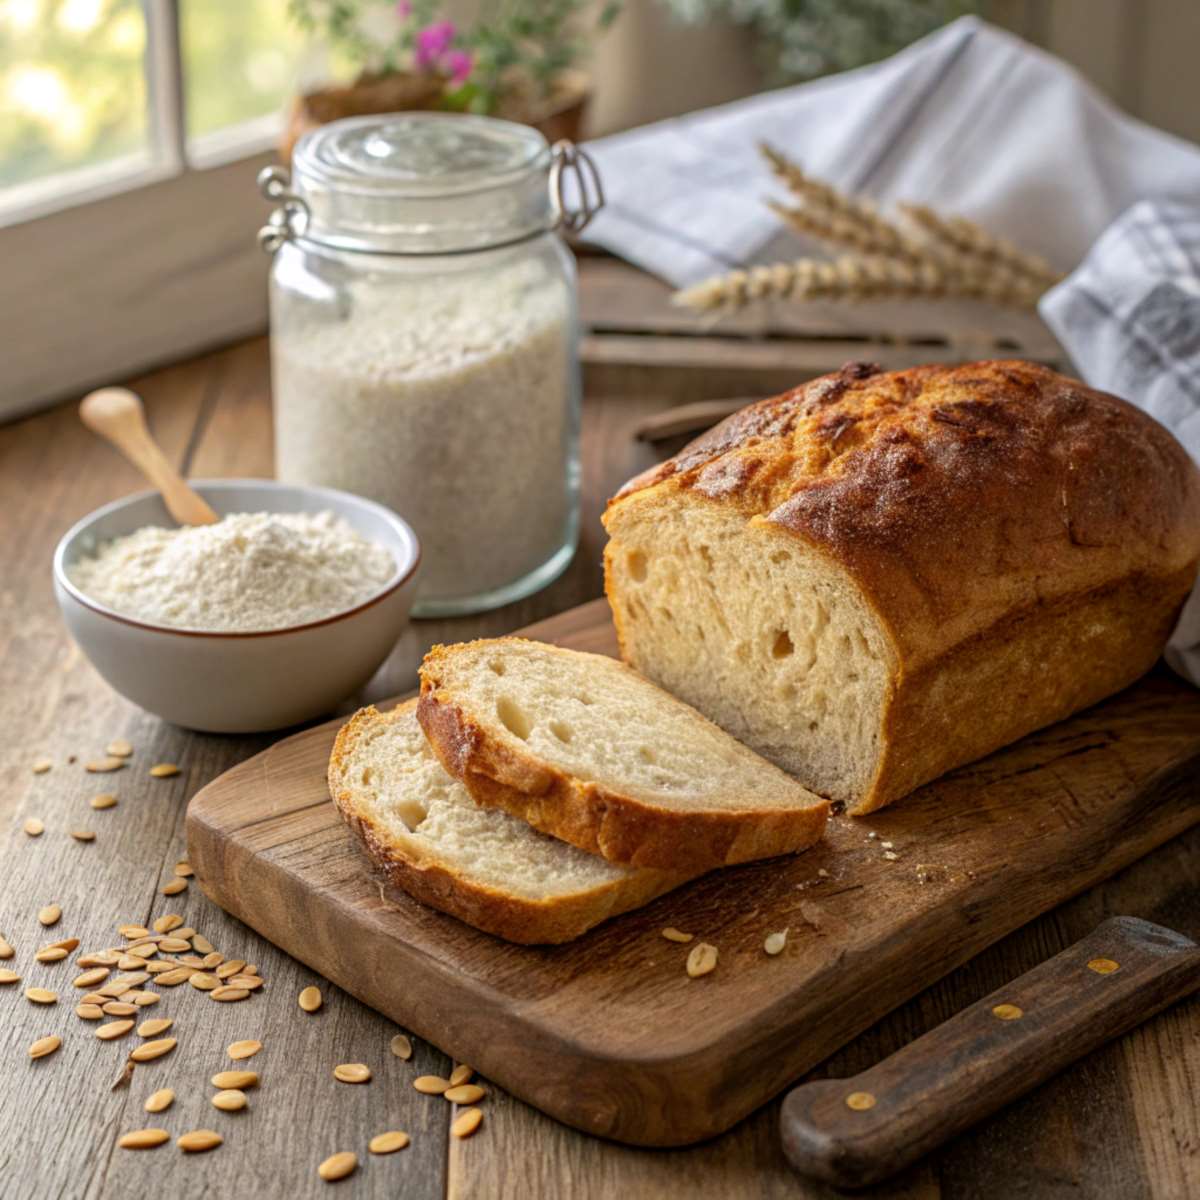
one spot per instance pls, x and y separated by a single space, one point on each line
484 867
584 748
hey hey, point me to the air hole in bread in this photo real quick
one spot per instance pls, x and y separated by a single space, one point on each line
410 811
786 691
782 646
586 700
636 562
706 556
780 557
562 731
367 776
496 666
646 754
513 718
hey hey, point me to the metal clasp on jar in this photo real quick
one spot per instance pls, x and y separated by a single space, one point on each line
289 219
570 159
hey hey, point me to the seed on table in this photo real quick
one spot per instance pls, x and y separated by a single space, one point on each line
230 1100
133 932
145 999
98 958
465 1093
62 944
251 969
91 978
466 1122
239 1080
143 1139
83 835
133 979
8 976
95 998
244 1049
775 942
51 954
702 960
143 950
159 1101
161 966
129 962
461 1074
155 1026
352 1073
338 1166
50 915
184 868
174 887
119 748
114 1029
103 800
202 944
164 770
431 1085
34 827
6 950
203 981
118 1008
41 996
89 1012
167 922
42 766
229 994
199 1140
102 766
173 977
174 945
184 931
213 960
402 1047
191 960
249 982
231 967
44 1046
388 1143
148 1051
310 999
676 935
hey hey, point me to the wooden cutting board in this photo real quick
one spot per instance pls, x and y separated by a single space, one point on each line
608 1033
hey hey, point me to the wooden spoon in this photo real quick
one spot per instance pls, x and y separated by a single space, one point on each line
117 414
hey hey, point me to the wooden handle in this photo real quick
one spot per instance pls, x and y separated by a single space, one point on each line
117 414
687 418
852 1132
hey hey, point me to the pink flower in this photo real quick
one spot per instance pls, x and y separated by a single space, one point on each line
459 63
404 9
432 42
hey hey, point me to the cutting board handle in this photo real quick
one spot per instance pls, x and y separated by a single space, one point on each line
853 1132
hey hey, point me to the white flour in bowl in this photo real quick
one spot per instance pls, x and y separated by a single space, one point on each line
248 573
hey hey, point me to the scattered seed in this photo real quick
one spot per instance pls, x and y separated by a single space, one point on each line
461 1074
231 967
174 887
41 996
887 845
431 1085
50 915
159 1101
402 1047
388 1143
203 981
118 1008
143 950
83 835
702 960
175 976
114 1029
184 868
128 962
119 748
89 1012
184 931
890 855
229 995
199 1140
94 998
240 1050
134 979
62 944
34 827
6 950
143 1139
191 960
239 1080
51 954
676 935
100 958
310 999
251 969
775 942
164 770
102 766
338 1166
103 800
148 1051
352 1073
230 1100
202 944
211 961
161 966
249 982
174 945
44 1046
145 999
133 932
8 976
167 922
465 1093
42 766
467 1122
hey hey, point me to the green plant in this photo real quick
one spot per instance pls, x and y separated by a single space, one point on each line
807 38
512 46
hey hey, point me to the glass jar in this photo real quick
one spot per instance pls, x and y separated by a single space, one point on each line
424 340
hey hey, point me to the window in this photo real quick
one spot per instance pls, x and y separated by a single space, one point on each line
130 136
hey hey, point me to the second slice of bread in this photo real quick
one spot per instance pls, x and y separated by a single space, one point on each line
584 748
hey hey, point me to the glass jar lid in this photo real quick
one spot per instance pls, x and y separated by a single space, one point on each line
423 183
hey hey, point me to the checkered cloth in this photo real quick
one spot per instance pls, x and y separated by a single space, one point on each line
1129 316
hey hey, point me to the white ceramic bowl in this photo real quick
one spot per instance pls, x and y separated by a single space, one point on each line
240 682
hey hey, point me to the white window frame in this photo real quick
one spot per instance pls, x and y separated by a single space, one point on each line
111 270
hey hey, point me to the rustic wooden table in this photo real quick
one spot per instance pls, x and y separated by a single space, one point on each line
1124 1124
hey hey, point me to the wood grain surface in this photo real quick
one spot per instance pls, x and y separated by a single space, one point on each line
1120 1125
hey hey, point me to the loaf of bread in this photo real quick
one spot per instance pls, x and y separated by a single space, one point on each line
875 578
485 867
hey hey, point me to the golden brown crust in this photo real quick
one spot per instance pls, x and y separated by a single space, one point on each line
514 918
988 512
621 828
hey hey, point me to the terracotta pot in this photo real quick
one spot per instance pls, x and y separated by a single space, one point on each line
560 115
